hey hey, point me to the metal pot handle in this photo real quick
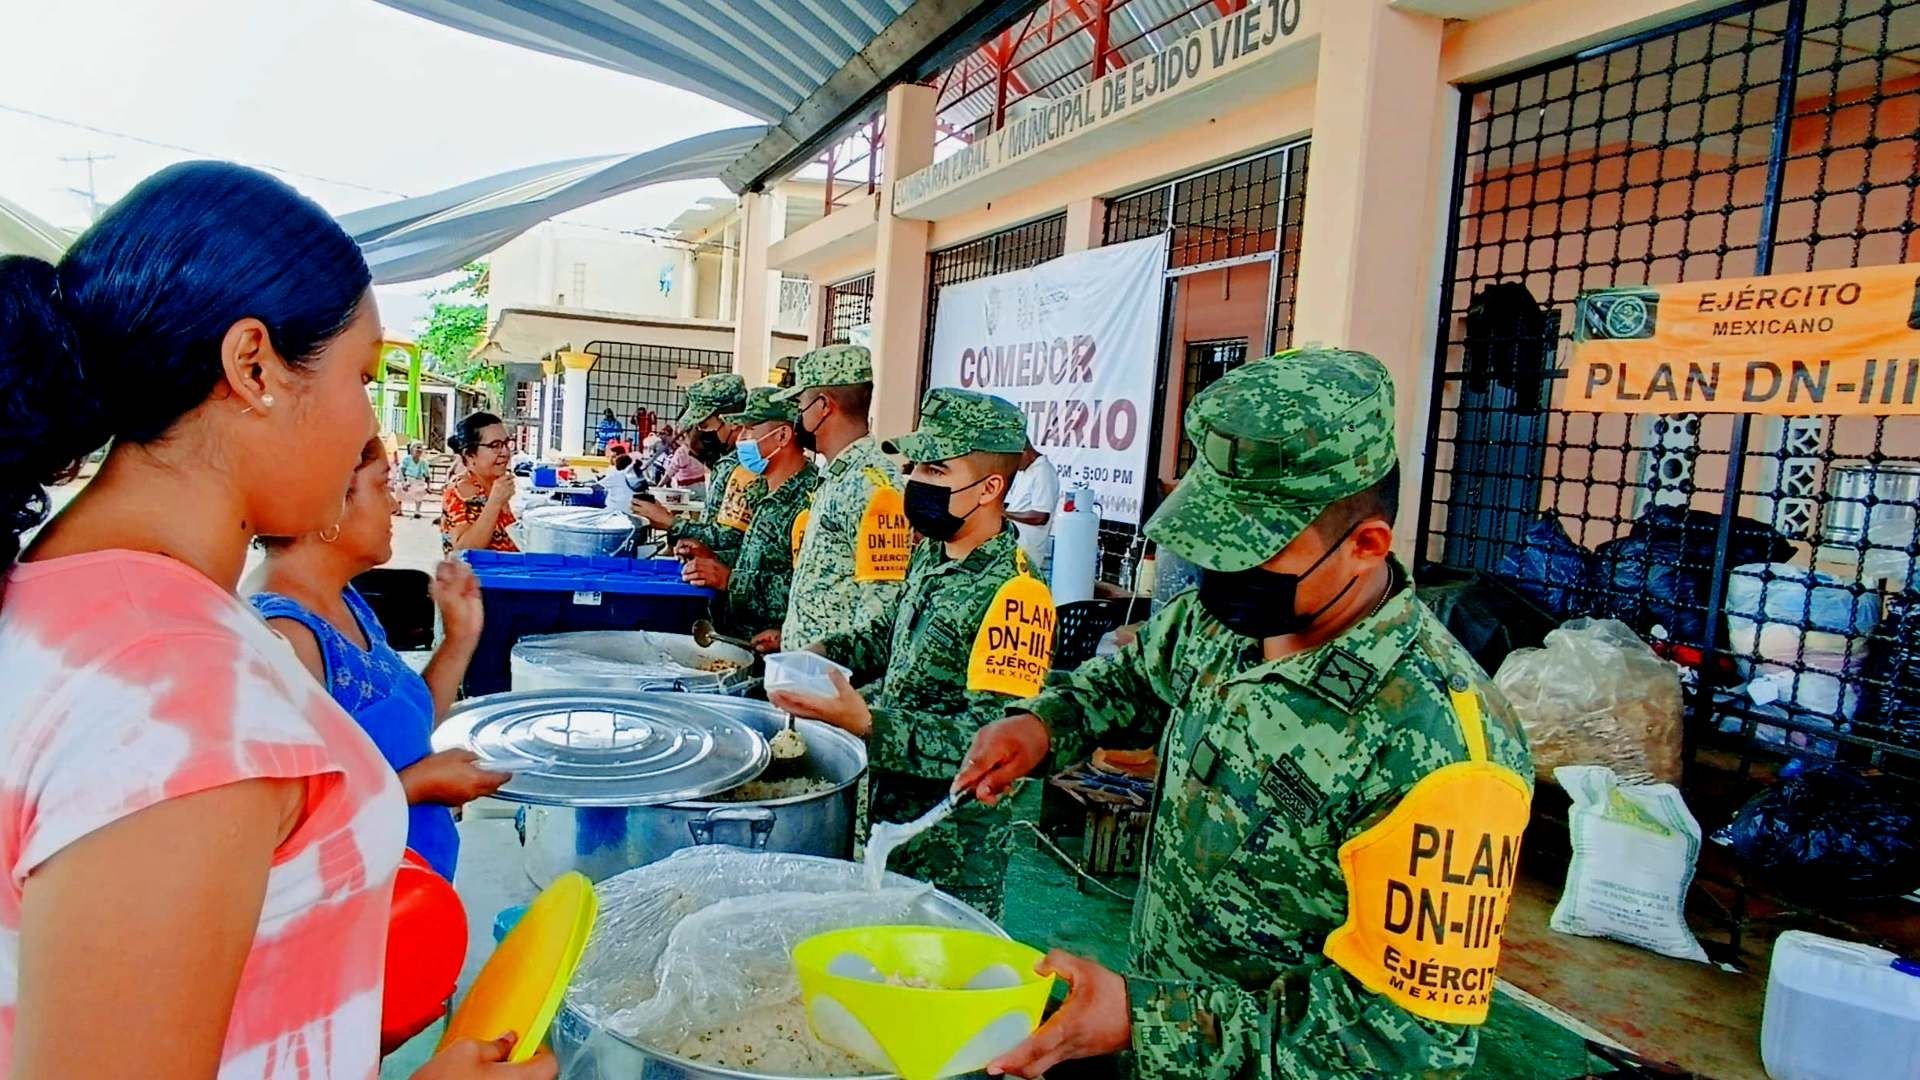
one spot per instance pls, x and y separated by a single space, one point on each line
758 819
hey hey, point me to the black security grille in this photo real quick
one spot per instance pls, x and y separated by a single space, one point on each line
1293 210
1758 138
630 378
557 410
1244 211
848 304
1000 253
1207 362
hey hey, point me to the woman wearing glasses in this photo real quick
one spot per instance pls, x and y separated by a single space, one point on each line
475 515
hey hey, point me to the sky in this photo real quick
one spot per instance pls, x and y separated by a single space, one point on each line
352 102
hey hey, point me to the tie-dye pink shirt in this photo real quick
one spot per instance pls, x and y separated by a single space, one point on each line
127 679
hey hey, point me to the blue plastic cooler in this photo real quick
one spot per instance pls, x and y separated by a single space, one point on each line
558 594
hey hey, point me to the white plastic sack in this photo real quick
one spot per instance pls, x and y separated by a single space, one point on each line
1634 847
1595 694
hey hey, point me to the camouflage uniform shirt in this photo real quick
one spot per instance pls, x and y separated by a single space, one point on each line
1267 768
826 598
924 717
763 571
724 540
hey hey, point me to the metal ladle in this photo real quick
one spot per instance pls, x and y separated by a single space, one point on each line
704 635
787 745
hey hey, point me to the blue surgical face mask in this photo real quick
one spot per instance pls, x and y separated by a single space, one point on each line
751 459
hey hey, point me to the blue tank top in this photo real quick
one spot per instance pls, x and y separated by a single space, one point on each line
388 699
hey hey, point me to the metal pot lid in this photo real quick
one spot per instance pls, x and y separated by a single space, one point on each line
607 747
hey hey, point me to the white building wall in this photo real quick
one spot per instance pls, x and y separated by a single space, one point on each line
577 266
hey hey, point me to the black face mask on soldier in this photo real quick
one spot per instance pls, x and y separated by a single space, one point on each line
707 448
1260 603
930 509
803 436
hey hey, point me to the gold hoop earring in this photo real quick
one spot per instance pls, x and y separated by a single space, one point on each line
325 539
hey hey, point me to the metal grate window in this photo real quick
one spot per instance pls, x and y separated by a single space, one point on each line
630 378
1246 210
1759 138
848 304
557 416
1240 212
1138 216
1293 212
1207 362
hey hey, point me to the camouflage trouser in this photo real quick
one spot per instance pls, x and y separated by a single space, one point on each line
964 856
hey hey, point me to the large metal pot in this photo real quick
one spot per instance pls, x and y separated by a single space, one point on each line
589 1052
574 530
601 841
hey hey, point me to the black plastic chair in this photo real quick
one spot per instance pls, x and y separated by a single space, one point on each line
403 602
1078 628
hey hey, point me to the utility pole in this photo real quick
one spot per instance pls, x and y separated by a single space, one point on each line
91 194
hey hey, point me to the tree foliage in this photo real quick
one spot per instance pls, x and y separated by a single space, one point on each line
455 327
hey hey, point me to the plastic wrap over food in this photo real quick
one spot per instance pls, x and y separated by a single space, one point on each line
1595 694
695 951
575 530
622 659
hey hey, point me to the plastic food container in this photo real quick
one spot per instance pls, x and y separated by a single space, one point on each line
802 672
1837 1010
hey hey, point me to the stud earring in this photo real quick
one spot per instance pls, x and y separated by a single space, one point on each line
266 401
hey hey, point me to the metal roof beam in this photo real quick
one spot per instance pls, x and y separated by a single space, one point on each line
927 37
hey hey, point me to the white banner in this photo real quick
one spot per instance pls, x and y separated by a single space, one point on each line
1075 343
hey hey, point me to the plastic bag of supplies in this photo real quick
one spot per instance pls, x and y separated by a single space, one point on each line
1595 694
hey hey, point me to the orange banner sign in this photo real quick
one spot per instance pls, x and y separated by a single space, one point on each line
1833 342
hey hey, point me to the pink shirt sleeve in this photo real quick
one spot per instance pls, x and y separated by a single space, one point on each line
170 715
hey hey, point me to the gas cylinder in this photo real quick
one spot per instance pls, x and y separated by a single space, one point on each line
1076 546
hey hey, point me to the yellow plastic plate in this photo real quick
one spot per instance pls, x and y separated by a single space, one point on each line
520 988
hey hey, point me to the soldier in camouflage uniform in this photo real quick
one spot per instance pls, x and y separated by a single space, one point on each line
948 658
755 588
1342 789
855 545
732 492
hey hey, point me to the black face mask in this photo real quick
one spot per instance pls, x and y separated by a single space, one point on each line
707 448
803 436
930 509
1259 603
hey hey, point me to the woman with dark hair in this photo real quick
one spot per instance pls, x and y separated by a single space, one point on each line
305 592
475 513
196 841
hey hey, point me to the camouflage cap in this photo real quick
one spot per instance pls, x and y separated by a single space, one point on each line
954 423
834 365
763 406
711 396
1277 442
